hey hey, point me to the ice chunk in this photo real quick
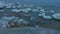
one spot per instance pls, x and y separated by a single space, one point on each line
2 4
25 22
19 21
9 5
36 26
41 14
51 11
25 10
15 10
56 16
22 21
38 8
42 10
19 6
47 17
29 9
35 10
2 10
5 20
14 7
32 18
4 26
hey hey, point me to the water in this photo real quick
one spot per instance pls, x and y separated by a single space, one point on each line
43 2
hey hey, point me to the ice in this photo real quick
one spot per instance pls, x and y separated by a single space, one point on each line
5 20
9 5
47 17
29 9
2 10
4 26
42 10
19 6
56 16
25 22
14 7
41 15
36 26
51 11
35 10
15 10
22 21
2 4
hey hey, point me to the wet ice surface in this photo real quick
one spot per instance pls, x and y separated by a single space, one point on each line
23 15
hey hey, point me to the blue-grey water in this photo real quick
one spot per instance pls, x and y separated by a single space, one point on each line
39 2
